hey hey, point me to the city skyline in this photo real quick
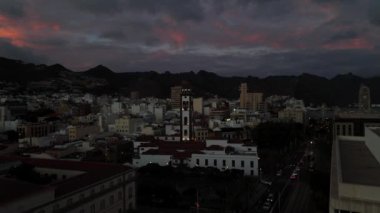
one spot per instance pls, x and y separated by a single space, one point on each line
258 38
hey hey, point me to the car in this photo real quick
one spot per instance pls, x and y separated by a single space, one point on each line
293 176
266 182
297 169
266 206
270 197
279 173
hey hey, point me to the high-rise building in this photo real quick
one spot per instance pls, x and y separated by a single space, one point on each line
175 96
186 115
249 100
355 173
364 98
198 105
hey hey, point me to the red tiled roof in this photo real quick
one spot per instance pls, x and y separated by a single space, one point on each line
215 147
94 172
15 190
174 153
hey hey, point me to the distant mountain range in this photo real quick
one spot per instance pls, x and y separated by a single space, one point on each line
340 90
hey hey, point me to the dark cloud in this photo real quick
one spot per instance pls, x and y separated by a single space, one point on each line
12 8
344 35
27 54
189 10
374 12
231 37
99 6
114 34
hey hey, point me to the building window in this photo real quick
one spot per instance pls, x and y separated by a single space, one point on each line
130 192
215 162
197 162
252 164
242 163
102 204
120 195
112 199
349 130
55 207
92 208
252 173
224 162
233 163
206 162
338 129
184 120
343 129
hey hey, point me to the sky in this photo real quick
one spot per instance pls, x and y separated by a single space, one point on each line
228 37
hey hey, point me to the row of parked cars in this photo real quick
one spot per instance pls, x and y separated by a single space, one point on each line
268 202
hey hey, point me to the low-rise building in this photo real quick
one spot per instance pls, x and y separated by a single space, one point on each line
217 153
74 187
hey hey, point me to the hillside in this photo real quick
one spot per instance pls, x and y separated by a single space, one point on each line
340 90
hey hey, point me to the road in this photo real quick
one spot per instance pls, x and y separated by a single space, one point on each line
299 196
11 148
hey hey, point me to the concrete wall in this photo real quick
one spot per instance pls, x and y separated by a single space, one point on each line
372 142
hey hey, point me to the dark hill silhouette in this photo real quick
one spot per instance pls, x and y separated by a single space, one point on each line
340 90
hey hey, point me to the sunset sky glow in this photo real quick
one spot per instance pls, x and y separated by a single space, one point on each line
228 37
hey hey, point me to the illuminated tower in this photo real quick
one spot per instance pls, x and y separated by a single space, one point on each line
186 115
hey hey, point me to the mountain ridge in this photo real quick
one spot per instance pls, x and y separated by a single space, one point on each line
340 90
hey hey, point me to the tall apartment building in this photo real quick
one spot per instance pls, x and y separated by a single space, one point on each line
249 100
364 98
175 96
80 187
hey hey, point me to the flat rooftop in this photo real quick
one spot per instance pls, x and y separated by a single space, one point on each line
376 131
358 165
